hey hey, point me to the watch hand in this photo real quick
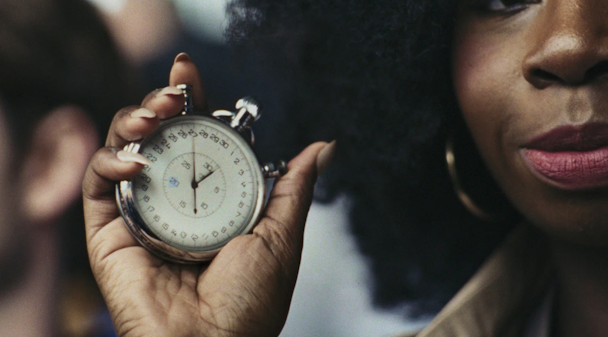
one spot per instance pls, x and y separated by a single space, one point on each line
194 182
205 177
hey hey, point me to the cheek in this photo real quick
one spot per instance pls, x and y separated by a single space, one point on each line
502 111
485 76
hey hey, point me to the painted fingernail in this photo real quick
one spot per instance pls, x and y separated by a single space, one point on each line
130 157
143 113
181 57
170 91
325 157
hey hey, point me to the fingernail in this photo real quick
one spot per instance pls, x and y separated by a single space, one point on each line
325 157
172 91
143 113
181 57
130 157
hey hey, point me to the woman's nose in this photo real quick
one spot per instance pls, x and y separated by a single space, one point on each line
569 44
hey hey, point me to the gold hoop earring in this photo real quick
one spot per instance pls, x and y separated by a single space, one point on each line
464 198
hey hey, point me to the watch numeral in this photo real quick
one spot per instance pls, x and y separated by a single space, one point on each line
151 158
157 149
173 182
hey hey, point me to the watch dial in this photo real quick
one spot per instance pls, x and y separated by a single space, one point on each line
202 187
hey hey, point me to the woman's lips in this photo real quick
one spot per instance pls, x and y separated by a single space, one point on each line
570 157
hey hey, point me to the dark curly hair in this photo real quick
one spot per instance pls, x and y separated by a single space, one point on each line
375 76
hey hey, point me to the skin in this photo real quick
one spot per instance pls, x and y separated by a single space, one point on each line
244 291
518 74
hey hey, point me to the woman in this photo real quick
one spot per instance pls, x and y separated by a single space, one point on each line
525 77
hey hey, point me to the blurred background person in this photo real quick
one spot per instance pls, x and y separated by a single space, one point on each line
61 80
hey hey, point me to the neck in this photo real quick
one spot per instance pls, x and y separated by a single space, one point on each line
28 309
582 298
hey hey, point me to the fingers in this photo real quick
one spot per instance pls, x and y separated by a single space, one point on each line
107 166
184 71
283 224
130 124
134 123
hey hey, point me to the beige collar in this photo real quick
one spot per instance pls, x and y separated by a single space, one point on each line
500 298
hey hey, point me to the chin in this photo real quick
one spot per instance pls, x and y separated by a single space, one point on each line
579 217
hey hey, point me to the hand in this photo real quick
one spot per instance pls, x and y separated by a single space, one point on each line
244 291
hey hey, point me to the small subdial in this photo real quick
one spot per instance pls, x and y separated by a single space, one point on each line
194 185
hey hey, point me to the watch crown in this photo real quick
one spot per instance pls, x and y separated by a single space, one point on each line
188 103
249 111
272 170
251 105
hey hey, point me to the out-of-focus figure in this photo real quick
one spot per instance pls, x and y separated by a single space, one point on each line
61 79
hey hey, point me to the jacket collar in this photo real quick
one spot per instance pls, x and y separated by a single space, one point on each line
500 298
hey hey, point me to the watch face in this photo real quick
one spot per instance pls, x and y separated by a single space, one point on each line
202 188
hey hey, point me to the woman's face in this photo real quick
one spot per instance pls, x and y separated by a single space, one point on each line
531 78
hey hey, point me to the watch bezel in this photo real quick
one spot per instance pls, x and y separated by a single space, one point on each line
141 231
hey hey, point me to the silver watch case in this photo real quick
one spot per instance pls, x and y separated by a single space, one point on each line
236 123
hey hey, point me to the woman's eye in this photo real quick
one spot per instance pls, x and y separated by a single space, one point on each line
504 6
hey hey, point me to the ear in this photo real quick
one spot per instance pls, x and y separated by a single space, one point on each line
59 152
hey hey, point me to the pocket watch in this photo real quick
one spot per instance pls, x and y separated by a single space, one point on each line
203 187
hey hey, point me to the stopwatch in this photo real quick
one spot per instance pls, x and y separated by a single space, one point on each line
203 187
